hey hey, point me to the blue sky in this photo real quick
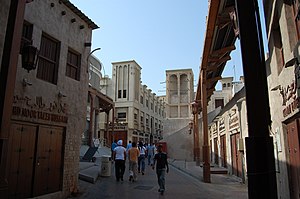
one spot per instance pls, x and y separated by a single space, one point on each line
159 35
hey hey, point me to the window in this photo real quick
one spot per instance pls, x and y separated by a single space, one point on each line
278 46
142 100
73 65
122 116
224 85
147 103
89 98
151 105
135 116
124 93
119 93
26 35
228 85
219 102
48 59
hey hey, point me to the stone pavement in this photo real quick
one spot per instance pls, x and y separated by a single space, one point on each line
221 186
90 171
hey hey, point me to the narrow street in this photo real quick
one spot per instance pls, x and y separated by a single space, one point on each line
178 185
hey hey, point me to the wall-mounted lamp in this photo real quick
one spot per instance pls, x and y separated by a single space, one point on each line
61 94
29 57
25 82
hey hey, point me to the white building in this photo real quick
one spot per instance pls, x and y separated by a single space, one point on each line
139 113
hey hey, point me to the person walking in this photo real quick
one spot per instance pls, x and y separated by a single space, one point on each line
161 161
129 145
113 146
150 153
141 159
119 156
133 154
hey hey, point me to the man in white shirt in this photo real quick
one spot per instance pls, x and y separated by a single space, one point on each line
119 156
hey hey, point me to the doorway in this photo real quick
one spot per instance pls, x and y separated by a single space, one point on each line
294 158
236 155
36 160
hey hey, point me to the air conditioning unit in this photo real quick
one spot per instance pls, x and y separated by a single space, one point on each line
240 144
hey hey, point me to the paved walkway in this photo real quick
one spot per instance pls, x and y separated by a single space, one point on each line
183 181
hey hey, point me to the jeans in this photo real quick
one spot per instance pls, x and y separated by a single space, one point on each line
161 178
119 169
141 163
149 159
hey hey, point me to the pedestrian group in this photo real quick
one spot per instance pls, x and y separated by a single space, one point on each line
137 154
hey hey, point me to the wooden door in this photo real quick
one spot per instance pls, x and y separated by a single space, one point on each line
211 152
48 170
294 158
216 151
35 160
223 151
121 135
236 156
21 155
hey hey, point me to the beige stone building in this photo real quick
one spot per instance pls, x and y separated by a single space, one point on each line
49 103
138 113
179 95
178 131
283 32
227 132
179 92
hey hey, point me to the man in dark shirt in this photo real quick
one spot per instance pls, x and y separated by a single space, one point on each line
160 159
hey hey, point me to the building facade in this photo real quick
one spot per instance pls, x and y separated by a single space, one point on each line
138 113
49 103
221 97
283 32
227 132
179 93
100 106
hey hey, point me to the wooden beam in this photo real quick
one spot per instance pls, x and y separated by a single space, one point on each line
214 79
218 59
212 68
210 92
225 19
223 51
